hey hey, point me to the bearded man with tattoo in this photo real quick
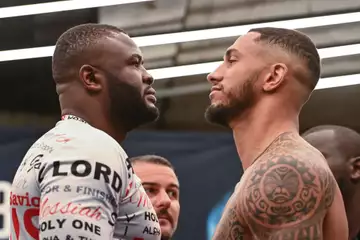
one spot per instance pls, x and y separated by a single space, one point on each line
287 191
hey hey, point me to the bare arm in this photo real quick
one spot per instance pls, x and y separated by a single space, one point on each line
229 226
288 197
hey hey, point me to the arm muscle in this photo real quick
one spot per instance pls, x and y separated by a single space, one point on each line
229 226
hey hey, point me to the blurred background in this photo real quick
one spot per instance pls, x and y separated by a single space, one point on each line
182 41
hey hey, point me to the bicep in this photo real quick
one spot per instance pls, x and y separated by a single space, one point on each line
231 224
288 199
79 199
336 223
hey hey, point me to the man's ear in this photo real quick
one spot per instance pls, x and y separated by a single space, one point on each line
91 78
275 77
355 169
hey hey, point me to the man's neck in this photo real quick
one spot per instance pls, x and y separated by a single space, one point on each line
255 131
74 101
98 121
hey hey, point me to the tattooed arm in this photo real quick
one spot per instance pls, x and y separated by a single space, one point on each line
288 197
231 225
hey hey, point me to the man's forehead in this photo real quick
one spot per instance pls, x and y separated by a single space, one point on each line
155 173
324 140
245 42
321 135
121 42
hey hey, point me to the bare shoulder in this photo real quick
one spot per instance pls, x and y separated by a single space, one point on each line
288 192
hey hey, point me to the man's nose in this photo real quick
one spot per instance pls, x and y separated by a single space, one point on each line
147 78
216 76
163 200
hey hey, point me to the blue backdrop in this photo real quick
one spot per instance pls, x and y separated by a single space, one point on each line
206 163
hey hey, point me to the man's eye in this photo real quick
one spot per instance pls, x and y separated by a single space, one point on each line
136 63
150 190
172 194
232 60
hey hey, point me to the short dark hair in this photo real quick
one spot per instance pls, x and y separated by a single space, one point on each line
155 159
296 43
74 43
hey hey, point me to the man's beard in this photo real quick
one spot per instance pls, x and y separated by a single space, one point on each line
127 106
239 101
164 213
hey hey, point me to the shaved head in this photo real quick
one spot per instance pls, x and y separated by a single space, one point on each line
297 45
76 46
345 141
341 148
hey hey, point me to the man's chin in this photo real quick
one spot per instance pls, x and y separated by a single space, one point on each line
142 116
166 231
217 114
153 113
165 236
148 113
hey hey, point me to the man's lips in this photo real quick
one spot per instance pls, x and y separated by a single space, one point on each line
150 91
165 220
216 88
150 95
151 98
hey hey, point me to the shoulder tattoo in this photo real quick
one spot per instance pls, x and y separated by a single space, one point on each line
288 196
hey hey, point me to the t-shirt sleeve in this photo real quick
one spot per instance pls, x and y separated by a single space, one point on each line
80 193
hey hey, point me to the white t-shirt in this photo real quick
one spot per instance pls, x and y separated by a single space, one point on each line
75 183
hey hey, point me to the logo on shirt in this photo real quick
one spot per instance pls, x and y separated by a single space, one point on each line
83 168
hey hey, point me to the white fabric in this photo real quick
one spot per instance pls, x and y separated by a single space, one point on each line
75 183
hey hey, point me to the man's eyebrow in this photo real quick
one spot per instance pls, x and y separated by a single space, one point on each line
149 183
156 184
138 56
174 185
231 51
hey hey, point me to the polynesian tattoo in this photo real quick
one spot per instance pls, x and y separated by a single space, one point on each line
284 197
230 227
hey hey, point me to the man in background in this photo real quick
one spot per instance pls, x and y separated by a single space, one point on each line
341 148
162 186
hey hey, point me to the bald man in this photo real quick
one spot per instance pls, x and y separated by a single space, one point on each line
341 148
